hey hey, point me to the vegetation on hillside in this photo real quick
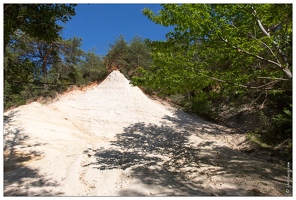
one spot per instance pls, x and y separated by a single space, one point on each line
221 56
128 57
37 61
220 60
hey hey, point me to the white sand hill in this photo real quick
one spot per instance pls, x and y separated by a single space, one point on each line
112 140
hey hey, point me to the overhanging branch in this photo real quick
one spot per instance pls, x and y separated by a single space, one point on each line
271 78
267 86
285 69
253 55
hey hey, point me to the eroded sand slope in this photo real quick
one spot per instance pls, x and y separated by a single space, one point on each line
112 140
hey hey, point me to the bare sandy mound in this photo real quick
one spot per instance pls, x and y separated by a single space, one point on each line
111 140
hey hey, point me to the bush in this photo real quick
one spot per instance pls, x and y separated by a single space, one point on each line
282 122
277 129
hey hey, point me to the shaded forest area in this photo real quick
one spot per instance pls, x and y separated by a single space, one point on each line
39 63
231 64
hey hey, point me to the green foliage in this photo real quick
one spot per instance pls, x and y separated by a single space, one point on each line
36 20
128 56
117 55
138 55
37 61
224 42
276 129
92 68
283 122
228 52
254 137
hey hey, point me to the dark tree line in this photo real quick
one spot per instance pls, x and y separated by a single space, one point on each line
128 57
37 61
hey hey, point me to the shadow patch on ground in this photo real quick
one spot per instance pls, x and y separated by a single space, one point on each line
193 123
19 179
25 181
161 155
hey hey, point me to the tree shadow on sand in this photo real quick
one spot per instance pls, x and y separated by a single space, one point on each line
193 123
19 179
163 156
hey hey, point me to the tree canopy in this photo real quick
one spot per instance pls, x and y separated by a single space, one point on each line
216 52
36 20
235 44
37 61
128 56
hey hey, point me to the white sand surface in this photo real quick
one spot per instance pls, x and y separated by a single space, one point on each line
112 140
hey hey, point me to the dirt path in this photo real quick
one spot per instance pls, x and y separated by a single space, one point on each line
111 140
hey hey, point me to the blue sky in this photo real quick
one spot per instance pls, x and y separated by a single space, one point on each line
100 24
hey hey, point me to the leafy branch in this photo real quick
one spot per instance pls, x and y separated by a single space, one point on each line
278 65
267 86
285 69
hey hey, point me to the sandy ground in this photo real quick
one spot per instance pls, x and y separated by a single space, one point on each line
112 140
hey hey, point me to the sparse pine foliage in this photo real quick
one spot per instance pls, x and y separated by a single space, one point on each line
128 56
37 62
